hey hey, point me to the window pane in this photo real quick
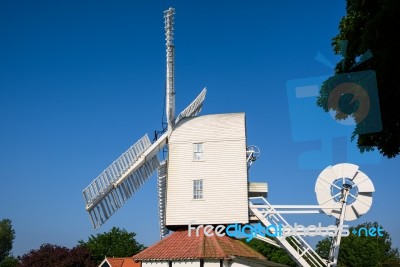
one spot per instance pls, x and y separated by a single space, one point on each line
197 189
197 156
197 151
198 147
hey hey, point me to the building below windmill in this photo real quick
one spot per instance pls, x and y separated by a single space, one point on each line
182 249
119 262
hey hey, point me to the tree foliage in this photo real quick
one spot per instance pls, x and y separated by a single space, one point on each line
9 262
271 252
370 25
323 247
115 243
7 236
365 251
54 255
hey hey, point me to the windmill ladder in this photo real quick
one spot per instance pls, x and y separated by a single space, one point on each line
300 251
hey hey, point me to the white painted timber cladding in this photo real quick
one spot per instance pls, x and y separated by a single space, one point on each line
210 263
155 264
193 263
223 169
196 263
244 264
182 263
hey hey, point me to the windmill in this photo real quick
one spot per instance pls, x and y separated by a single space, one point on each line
202 138
204 180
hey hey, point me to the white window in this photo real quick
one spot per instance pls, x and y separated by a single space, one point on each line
197 151
197 189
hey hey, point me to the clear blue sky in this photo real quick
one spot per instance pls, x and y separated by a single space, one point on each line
81 81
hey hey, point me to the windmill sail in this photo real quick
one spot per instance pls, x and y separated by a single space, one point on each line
194 108
116 184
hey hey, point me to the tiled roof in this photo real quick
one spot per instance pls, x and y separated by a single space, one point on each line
121 262
179 245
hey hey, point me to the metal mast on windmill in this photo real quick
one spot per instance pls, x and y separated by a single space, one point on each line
170 90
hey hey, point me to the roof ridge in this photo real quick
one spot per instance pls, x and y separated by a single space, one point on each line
202 244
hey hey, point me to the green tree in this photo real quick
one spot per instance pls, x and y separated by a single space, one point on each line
369 25
7 236
323 247
9 262
271 252
363 250
115 243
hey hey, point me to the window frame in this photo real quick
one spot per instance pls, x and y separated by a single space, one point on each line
198 151
198 189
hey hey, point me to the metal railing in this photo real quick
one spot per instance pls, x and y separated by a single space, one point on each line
296 246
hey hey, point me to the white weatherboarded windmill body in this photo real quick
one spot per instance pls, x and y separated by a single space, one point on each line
208 154
207 158
205 181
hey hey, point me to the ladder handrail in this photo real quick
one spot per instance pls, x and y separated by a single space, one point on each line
298 248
